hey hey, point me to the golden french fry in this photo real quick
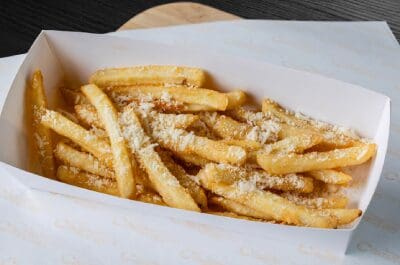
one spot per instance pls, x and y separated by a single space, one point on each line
330 176
163 104
234 215
211 99
41 134
332 202
124 167
149 75
150 197
228 128
248 145
87 114
84 161
260 179
293 144
179 140
76 177
163 181
232 206
344 216
191 158
265 202
283 164
195 190
331 138
271 108
236 99
84 138
72 97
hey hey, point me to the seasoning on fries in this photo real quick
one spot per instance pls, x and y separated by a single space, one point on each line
156 134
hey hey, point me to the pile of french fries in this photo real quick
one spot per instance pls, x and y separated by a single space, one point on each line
154 134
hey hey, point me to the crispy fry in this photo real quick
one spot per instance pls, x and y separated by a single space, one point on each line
87 114
283 164
211 99
294 144
124 167
331 139
267 203
76 177
253 178
228 128
84 161
234 215
191 158
149 75
72 97
164 182
236 99
344 216
180 141
330 176
236 207
332 202
185 180
248 145
41 134
84 138
150 197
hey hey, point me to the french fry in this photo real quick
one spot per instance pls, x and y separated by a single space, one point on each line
332 202
72 97
179 140
211 99
69 115
163 181
271 108
74 176
41 134
265 202
253 178
162 104
283 164
228 128
330 176
248 145
294 144
234 215
124 167
191 158
150 197
236 207
149 75
194 189
343 216
87 114
331 139
84 161
79 135
236 99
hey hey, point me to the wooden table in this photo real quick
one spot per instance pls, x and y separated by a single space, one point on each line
22 20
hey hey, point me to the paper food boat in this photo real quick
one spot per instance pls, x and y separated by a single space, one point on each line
72 57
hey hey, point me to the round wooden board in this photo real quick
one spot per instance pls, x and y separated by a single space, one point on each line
176 14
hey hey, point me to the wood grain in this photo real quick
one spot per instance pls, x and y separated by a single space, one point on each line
176 14
22 20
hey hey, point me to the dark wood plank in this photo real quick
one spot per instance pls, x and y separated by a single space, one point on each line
22 20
